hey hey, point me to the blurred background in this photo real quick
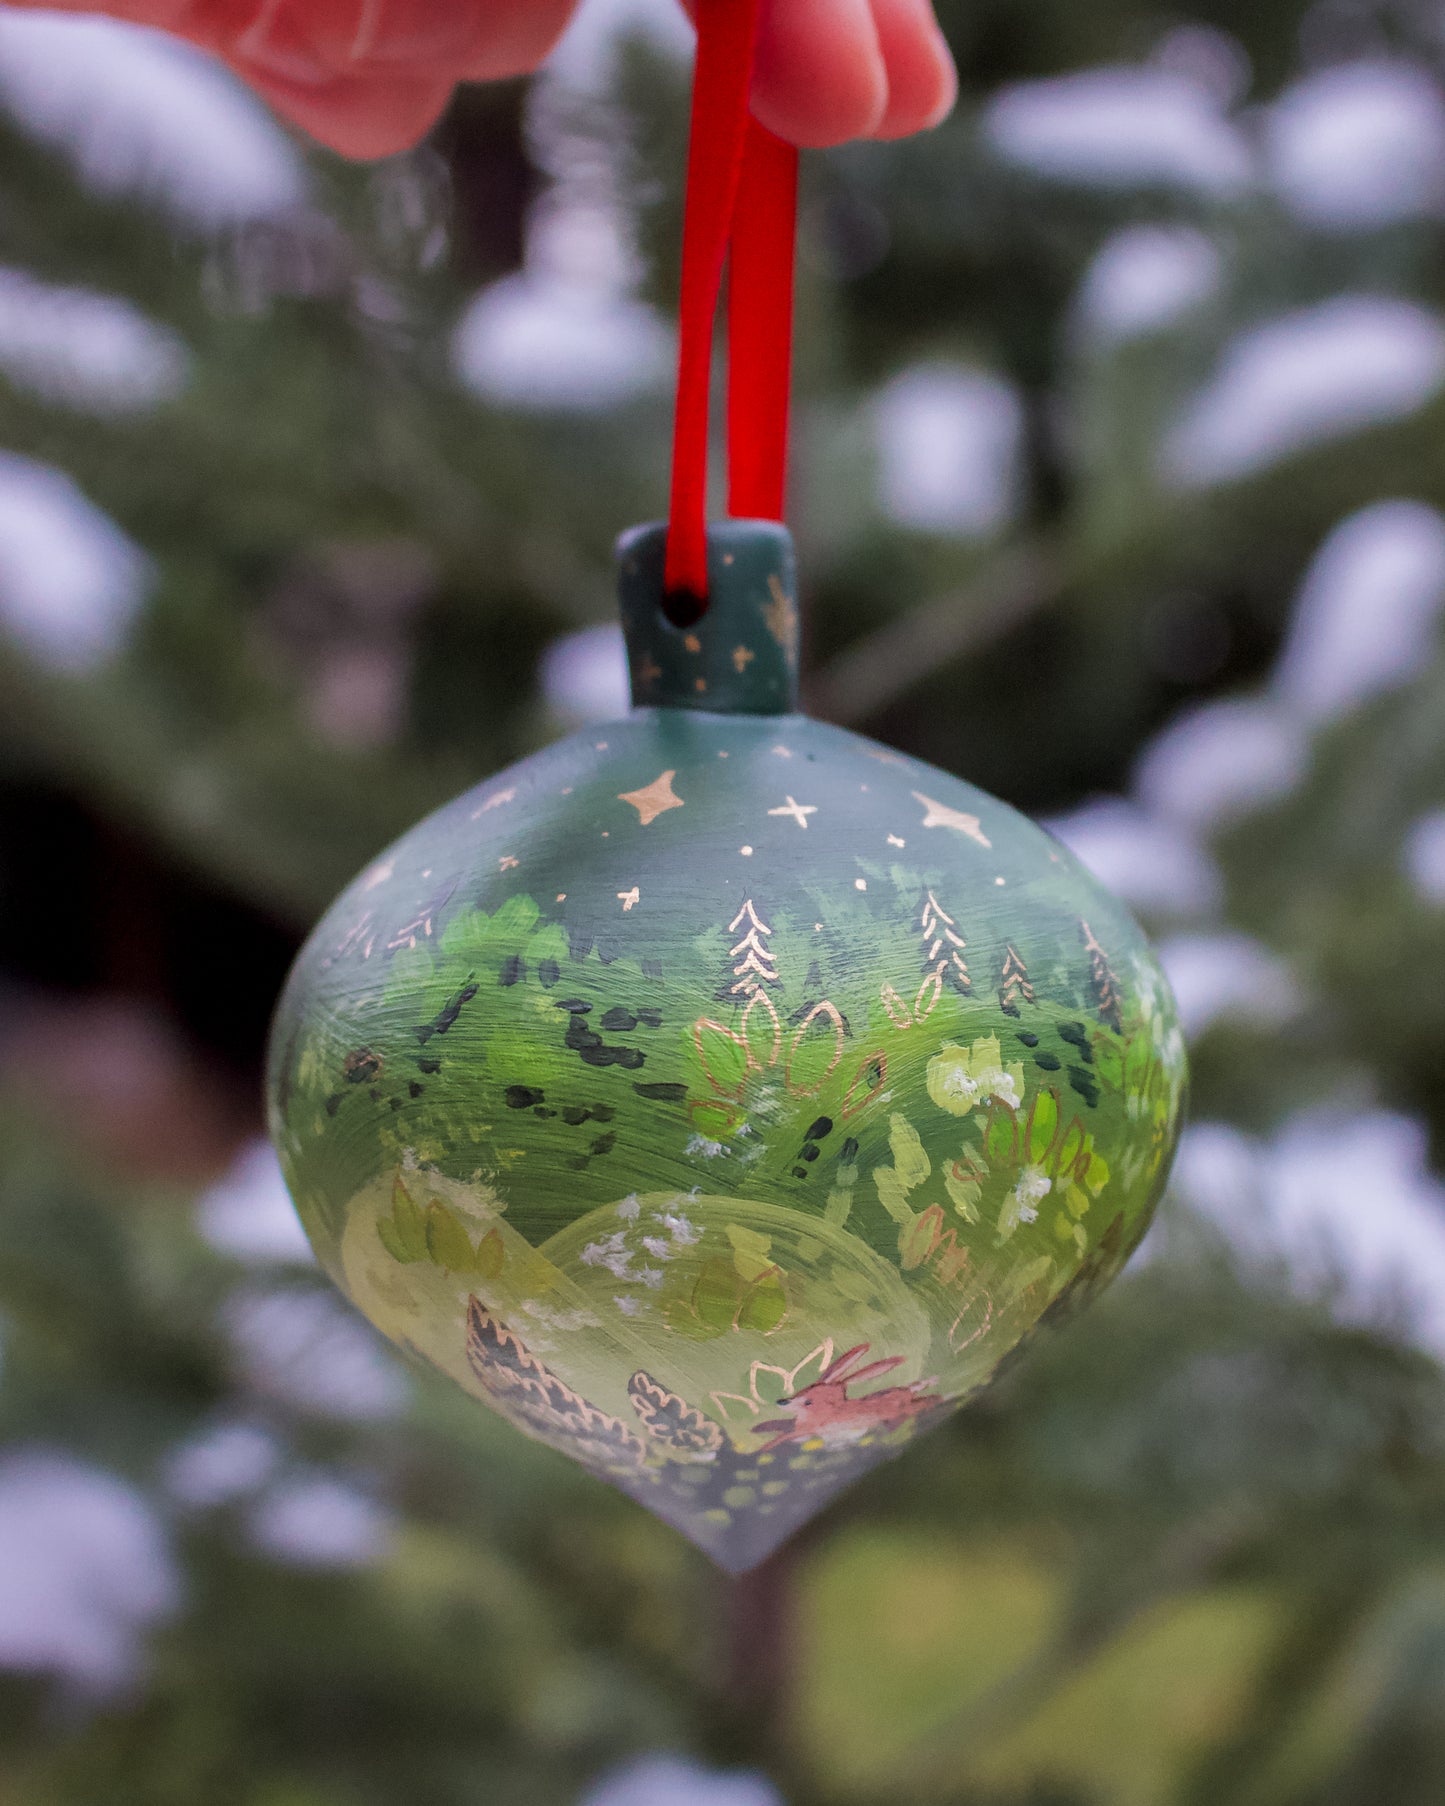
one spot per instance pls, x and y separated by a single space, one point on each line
1120 490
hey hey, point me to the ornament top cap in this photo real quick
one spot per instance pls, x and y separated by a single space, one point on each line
739 656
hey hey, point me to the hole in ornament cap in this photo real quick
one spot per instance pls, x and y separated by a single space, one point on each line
683 606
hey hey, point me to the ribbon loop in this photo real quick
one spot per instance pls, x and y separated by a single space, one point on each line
741 191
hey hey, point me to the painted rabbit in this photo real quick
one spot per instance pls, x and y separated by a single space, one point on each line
825 1410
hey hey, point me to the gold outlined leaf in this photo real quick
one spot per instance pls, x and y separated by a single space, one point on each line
806 1053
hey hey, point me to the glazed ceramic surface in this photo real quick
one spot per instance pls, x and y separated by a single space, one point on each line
718 1095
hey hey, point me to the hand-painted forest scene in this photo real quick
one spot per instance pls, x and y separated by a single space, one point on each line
836 1204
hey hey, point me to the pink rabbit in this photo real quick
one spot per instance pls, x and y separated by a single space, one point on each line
825 1410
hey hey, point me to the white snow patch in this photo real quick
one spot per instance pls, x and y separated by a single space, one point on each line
1305 378
1221 760
86 350
675 1781
1143 279
1368 612
222 1462
311 1352
568 332
140 112
71 582
249 1212
586 51
1154 864
315 1521
86 1571
1345 1200
1424 856
1121 126
565 332
1359 144
535 342
1367 618
584 676
948 440
1227 975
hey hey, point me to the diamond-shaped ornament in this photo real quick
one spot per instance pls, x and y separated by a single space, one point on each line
718 1095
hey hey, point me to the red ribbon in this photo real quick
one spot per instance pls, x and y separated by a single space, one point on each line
742 192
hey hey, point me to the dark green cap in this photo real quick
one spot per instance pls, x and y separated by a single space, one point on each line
739 656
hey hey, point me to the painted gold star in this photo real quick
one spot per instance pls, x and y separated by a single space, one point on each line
799 811
941 816
743 656
781 615
654 798
508 862
628 897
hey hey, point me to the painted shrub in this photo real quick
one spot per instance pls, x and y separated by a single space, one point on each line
718 1095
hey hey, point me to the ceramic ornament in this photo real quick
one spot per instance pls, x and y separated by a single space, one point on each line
717 1095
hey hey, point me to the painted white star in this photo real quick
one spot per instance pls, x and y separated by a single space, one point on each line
799 811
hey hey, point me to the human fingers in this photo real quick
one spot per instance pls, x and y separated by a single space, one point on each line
819 77
831 70
366 77
478 40
360 116
922 81
369 77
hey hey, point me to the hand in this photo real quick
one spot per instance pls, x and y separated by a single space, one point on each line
369 77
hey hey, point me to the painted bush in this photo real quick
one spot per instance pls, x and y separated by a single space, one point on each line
721 1096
